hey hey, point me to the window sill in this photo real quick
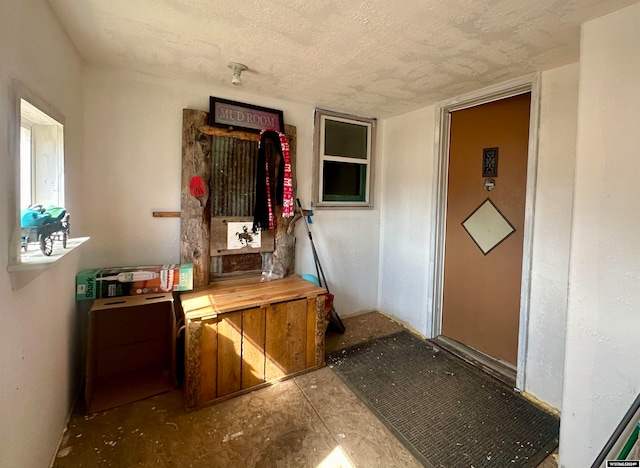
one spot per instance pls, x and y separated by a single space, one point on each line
33 262
342 205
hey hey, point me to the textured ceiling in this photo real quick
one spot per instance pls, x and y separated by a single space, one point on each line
369 57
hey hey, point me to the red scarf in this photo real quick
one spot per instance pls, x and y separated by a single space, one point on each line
287 184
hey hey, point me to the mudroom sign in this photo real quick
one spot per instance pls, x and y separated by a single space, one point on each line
239 116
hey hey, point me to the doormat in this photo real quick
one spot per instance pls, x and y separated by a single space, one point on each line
445 411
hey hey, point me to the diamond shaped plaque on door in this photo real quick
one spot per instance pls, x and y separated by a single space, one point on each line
487 226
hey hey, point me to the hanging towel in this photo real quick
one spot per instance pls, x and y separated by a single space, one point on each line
263 217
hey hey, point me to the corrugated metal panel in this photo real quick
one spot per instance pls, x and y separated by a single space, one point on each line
233 177
216 266
233 182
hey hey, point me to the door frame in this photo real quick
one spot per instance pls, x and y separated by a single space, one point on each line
525 84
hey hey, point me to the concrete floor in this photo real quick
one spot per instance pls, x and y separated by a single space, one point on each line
312 420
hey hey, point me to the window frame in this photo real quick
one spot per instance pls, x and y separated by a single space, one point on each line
28 127
321 116
20 93
22 272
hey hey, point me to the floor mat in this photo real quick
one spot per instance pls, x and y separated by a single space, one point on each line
447 412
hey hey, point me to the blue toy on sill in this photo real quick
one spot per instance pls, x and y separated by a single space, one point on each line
44 225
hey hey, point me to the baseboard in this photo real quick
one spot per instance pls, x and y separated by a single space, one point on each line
66 424
402 323
542 405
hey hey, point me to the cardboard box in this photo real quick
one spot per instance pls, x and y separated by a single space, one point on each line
130 350
99 283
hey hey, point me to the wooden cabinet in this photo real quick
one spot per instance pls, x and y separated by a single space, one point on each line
243 334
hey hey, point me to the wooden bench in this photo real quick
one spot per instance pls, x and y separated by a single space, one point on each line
242 334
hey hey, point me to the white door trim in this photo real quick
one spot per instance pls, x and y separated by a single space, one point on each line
529 83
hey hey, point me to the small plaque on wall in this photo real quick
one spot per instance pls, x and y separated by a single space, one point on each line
490 162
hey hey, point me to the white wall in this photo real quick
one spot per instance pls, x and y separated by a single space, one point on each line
39 351
406 219
552 234
132 165
407 222
602 355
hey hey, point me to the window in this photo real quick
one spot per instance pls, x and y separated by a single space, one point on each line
344 148
39 236
41 158
36 146
41 215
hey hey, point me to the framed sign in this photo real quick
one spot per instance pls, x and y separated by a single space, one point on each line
240 235
239 116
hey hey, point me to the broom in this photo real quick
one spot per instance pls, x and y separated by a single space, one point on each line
334 319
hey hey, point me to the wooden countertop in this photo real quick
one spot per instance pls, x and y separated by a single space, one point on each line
228 296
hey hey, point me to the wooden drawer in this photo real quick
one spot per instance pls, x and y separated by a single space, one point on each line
229 352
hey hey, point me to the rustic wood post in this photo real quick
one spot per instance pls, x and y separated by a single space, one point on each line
283 259
195 214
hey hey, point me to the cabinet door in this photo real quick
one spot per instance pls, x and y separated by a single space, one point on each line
286 338
213 358
253 330
229 353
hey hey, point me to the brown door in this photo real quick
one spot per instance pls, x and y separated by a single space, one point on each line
484 231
